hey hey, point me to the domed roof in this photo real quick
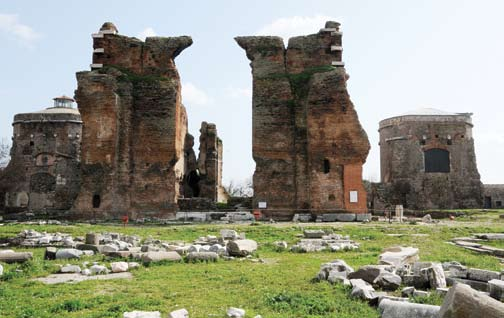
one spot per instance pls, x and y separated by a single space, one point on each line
109 26
427 112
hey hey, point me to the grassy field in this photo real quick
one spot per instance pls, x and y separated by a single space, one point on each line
279 287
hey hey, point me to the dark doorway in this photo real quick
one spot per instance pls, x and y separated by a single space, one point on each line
488 203
193 180
437 160
498 204
327 166
96 201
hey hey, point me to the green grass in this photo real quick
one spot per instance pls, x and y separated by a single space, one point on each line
280 287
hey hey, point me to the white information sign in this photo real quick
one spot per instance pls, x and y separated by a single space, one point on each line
354 197
262 205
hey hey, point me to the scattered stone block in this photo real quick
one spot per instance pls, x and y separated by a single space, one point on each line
70 269
241 247
228 234
75 278
435 275
1 270
235 312
336 266
362 290
181 313
401 309
50 253
98 269
142 314
482 275
420 293
317 234
10 256
119 267
388 281
476 284
399 256
160 256
462 301
442 291
407 291
427 218
88 247
496 289
202 257
68 253
92 239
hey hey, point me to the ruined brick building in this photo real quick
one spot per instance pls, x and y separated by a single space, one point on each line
428 162
308 144
127 152
43 174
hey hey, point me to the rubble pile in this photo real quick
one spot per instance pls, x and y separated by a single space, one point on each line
400 266
318 240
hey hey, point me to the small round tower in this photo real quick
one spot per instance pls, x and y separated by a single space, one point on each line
45 159
428 160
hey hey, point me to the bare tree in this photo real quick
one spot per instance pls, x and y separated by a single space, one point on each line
4 153
242 188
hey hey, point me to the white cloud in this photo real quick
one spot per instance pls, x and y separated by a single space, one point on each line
193 95
294 26
146 33
236 92
9 24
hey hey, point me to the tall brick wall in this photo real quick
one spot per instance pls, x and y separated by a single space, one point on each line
135 127
306 132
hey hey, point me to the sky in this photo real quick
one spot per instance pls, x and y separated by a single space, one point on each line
401 55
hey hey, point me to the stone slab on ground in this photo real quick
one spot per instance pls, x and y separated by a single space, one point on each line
400 309
476 284
142 314
399 256
15 257
181 313
462 301
482 275
76 278
161 256
496 289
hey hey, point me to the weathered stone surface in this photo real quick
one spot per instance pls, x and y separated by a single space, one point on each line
399 256
75 278
476 284
161 256
362 290
482 275
119 267
400 309
464 302
496 289
142 314
68 253
228 234
202 257
367 273
407 142
15 257
70 269
1 270
308 144
92 238
235 312
435 275
241 247
133 140
388 281
313 233
98 269
50 253
337 266
181 313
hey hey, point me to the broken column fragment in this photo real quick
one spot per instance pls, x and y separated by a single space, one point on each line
308 144
135 126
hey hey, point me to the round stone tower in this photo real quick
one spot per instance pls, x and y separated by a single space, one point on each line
43 175
428 161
